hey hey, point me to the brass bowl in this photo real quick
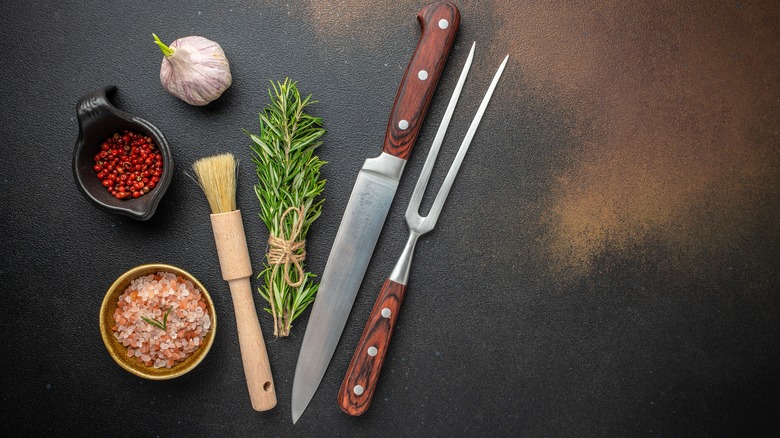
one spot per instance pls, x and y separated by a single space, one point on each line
119 351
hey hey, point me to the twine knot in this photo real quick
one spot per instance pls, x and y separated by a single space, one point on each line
290 251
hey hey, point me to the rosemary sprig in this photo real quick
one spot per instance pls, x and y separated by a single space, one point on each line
288 186
160 325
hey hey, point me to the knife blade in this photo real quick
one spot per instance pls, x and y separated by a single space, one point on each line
370 201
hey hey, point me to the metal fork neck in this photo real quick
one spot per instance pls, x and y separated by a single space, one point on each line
402 267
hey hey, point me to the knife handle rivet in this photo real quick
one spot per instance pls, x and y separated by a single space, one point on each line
422 74
372 351
403 124
443 24
358 390
386 312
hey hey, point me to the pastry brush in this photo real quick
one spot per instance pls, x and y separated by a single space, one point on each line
216 175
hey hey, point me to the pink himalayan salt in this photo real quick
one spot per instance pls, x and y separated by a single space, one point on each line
150 297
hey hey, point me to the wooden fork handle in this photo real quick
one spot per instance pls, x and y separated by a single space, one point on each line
360 382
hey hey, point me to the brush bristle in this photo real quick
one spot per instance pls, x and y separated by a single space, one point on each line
217 178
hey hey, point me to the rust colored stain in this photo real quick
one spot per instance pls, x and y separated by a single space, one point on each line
364 21
681 101
674 106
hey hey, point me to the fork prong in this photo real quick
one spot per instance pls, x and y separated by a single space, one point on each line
427 223
412 211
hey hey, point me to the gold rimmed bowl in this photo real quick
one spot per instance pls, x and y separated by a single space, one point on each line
119 352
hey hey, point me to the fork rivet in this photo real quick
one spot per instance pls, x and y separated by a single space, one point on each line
422 74
443 24
386 312
358 390
372 351
403 124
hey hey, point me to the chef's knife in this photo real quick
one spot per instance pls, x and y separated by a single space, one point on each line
370 201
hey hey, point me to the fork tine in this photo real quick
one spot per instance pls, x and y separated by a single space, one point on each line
420 225
438 203
412 211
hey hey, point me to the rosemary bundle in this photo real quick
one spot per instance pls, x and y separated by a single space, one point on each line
288 186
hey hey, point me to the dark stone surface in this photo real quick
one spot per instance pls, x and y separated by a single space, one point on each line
607 263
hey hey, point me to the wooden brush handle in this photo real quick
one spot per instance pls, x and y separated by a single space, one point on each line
359 383
236 270
257 368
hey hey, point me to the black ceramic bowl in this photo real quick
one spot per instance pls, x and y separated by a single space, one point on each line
99 120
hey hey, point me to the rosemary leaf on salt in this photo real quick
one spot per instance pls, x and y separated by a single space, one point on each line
288 186
160 325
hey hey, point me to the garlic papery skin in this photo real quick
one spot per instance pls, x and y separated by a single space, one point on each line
194 69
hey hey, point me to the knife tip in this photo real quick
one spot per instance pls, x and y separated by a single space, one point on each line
296 415
299 400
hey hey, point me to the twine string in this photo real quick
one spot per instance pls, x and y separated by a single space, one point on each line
290 251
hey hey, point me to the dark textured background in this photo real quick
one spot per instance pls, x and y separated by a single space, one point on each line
607 263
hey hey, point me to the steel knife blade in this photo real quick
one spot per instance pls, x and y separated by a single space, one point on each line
370 201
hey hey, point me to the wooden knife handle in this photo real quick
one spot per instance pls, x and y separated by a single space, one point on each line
439 22
359 384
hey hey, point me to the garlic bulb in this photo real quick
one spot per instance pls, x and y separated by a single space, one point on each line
194 69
